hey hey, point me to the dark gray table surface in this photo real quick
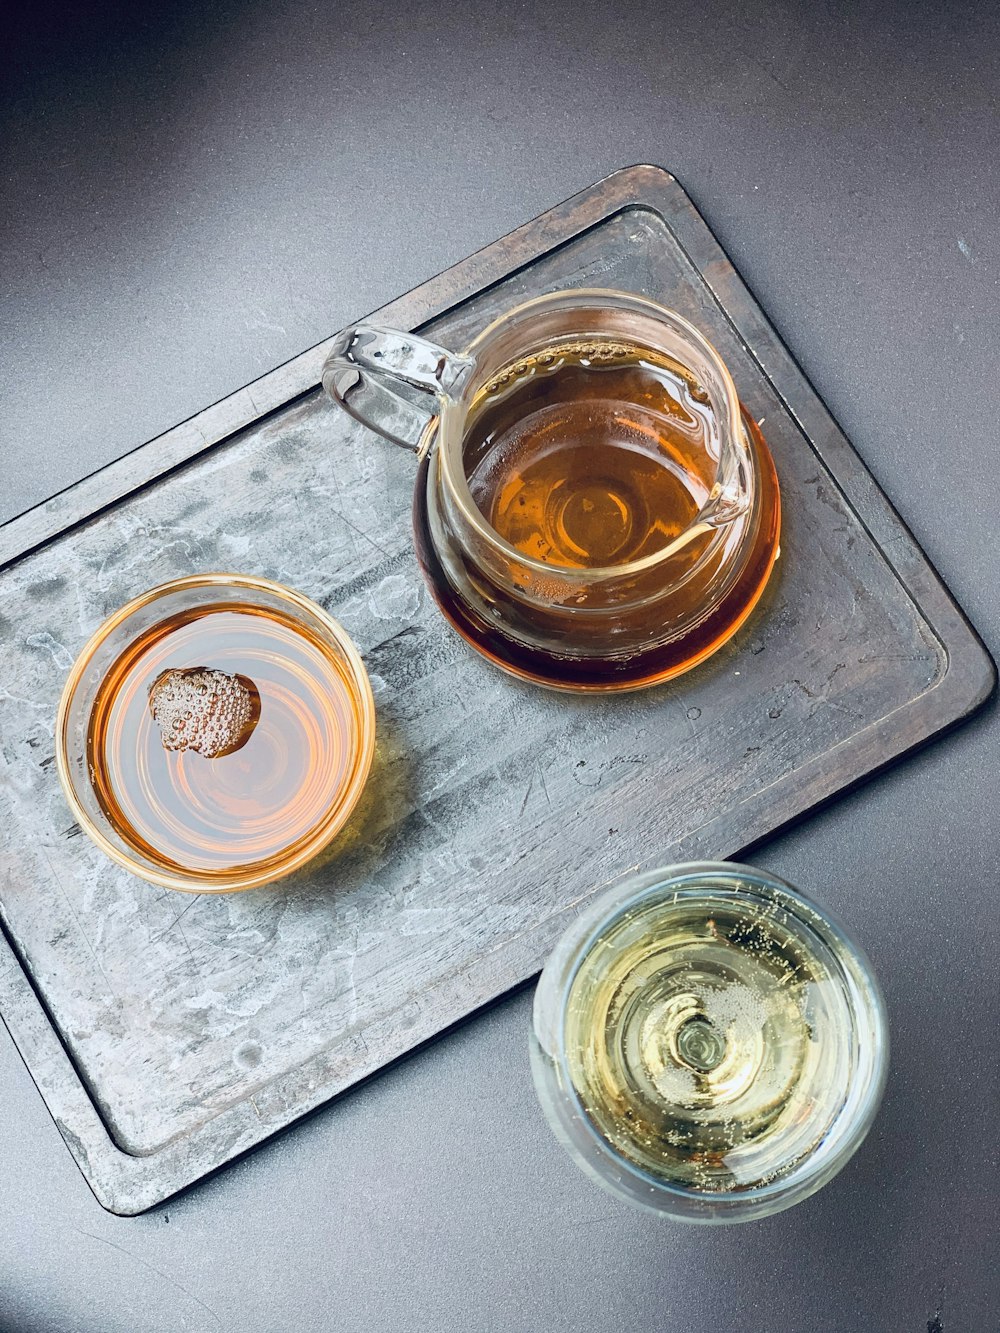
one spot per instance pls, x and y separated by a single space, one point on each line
195 194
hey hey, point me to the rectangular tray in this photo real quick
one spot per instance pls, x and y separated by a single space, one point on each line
168 1034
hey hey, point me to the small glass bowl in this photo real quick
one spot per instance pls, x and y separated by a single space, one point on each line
105 647
740 925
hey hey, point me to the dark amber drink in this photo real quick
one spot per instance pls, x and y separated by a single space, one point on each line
597 455
252 797
594 454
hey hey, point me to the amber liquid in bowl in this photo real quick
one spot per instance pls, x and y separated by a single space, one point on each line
591 455
292 759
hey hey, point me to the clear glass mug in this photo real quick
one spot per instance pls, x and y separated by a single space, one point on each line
579 624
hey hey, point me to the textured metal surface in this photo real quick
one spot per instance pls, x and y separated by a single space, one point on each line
196 1028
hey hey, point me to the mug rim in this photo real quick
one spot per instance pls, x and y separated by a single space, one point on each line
453 473
192 881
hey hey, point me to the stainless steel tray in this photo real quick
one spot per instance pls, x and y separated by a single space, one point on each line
169 1034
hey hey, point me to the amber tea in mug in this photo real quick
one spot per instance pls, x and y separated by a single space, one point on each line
589 453
593 455
593 510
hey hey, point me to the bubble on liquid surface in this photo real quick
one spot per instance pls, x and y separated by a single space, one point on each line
210 712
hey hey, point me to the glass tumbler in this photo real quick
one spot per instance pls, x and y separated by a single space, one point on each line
708 1043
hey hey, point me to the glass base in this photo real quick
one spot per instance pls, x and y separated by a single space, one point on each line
595 675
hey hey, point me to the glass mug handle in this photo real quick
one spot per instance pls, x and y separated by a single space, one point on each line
393 382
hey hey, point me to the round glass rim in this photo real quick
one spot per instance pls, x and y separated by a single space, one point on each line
454 473
189 881
832 1153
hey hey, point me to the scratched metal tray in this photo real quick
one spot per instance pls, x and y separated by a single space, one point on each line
168 1034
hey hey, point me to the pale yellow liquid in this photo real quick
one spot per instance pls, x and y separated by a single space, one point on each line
705 1040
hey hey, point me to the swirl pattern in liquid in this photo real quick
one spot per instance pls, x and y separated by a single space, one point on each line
709 1040
249 803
